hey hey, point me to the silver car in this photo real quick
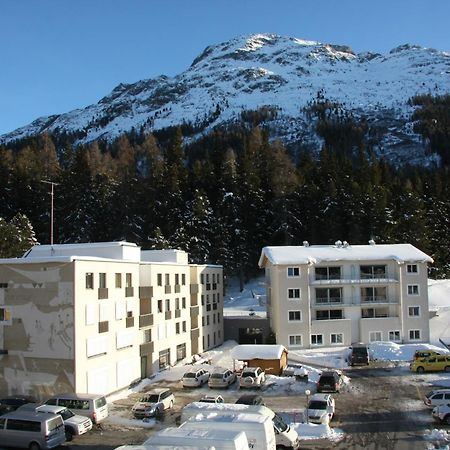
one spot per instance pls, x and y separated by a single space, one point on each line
221 378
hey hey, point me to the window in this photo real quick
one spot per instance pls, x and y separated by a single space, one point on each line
414 311
413 289
202 278
370 272
295 339
332 314
411 268
164 358
294 293
184 326
177 278
129 280
159 279
167 304
337 338
317 339
375 336
207 321
89 280
181 352
183 279
203 321
218 317
147 335
203 300
414 335
177 328
394 335
118 282
295 316
328 295
167 279
328 273
183 303
373 294
5 315
177 303
160 306
3 285
293 271
102 280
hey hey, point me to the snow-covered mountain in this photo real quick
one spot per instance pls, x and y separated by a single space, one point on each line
284 73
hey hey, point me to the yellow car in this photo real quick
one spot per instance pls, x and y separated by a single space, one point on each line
430 364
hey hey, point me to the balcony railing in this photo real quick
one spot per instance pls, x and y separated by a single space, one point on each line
129 321
167 289
357 281
145 291
194 288
195 310
177 289
103 327
129 291
168 315
102 293
177 313
328 300
378 299
146 349
195 333
145 320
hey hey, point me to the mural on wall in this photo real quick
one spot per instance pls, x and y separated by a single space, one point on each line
38 338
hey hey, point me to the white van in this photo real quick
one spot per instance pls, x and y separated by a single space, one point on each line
90 405
35 431
285 436
219 439
258 428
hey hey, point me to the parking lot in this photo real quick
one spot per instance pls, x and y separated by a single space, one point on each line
380 408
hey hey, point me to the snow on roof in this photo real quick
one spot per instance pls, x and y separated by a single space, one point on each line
246 352
316 254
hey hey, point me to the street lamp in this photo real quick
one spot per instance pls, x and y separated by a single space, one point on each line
307 393
51 207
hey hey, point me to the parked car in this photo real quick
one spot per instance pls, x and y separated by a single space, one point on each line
431 364
320 409
330 381
195 378
74 424
153 404
250 399
252 377
221 378
424 353
437 397
359 355
212 399
9 404
441 413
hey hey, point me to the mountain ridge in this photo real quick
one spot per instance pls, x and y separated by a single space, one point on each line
267 70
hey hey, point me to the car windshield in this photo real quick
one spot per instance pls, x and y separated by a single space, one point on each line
328 380
429 394
217 375
189 375
360 351
317 404
99 402
279 423
66 414
154 398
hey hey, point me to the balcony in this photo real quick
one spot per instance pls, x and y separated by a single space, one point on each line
195 311
102 293
378 299
145 291
129 291
103 327
129 322
145 320
168 315
195 333
167 289
177 289
194 288
177 313
146 349
334 301
352 281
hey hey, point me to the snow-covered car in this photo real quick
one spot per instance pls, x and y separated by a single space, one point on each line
437 397
251 400
441 413
212 399
153 404
330 381
320 409
252 377
195 378
221 378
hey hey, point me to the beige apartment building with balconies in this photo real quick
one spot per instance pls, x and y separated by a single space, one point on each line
95 317
334 295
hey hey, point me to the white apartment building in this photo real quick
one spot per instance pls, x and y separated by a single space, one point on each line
334 295
97 317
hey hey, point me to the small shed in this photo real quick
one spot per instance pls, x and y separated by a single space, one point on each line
272 358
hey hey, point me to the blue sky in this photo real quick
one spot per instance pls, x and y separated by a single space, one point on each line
58 55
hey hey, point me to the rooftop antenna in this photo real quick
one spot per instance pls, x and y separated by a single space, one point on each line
52 194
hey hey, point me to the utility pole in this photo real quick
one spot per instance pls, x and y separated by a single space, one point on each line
52 194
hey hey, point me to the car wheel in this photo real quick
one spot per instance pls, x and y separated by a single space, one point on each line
447 419
447 368
34 446
69 435
420 369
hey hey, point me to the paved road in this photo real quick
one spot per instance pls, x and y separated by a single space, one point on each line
381 408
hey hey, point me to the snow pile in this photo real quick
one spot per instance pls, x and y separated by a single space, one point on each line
309 431
439 294
438 438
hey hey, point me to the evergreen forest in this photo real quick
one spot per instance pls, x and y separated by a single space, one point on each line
226 195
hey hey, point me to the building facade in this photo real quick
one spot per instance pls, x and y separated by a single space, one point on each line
342 294
97 317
